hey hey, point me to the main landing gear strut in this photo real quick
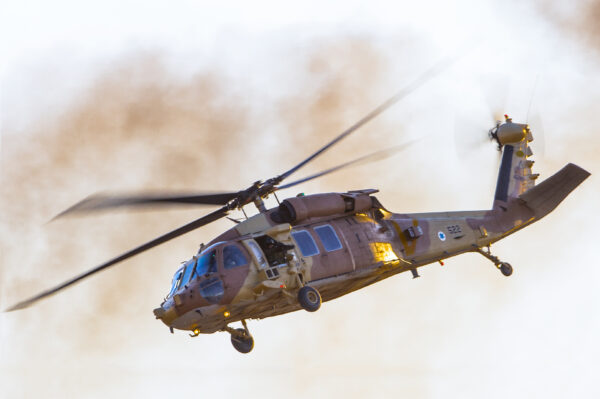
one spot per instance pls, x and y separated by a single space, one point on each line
504 267
241 339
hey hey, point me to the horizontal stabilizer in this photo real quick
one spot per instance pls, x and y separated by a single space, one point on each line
546 196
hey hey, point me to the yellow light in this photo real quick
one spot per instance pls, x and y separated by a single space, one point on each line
226 314
382 251
196 331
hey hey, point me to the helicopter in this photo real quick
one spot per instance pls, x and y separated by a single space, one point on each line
314 248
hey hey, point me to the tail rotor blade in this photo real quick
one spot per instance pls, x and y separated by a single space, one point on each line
539 136
496 88
469 136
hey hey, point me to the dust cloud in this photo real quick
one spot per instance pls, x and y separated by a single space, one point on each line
137 127
581 21
141 126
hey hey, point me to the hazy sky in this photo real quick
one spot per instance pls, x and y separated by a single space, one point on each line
183 95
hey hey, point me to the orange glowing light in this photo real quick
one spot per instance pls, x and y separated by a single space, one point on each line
226 313
382 251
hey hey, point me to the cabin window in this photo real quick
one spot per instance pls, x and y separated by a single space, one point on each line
305 242
207 263
275 251
329 238
233 257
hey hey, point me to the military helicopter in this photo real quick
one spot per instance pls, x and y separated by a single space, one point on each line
314 248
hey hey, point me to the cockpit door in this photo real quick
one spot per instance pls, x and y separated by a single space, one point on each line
234 266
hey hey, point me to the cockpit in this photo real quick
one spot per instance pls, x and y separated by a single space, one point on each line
204 264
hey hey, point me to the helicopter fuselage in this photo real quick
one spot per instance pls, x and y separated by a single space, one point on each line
319 247
336 254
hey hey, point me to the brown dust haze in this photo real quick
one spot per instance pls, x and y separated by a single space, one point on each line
141 126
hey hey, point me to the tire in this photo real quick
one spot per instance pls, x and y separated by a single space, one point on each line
309 298
506 269
244 342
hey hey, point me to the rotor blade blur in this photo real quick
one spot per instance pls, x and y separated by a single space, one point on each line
100 202
211 217
539 137
495 87
469 136
373 157
425 77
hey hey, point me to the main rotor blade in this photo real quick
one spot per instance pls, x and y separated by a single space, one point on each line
429 74
373 157
211 217
99 201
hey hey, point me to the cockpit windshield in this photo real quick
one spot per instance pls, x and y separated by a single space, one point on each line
189 268
176 280
182 277
205 264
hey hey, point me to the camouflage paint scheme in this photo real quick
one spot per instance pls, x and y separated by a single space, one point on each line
376 243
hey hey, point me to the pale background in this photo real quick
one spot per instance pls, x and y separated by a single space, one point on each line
132 95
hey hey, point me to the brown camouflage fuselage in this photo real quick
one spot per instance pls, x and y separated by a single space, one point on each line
373 244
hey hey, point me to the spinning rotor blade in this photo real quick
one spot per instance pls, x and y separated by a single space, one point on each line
496 88
539 139
258 189
373 157
100 202
233 200
211 217
469 136
429 74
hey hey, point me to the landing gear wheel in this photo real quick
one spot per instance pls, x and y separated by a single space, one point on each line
242 341
506 269
309 298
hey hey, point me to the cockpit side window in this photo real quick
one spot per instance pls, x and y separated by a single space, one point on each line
207 263
233 257
187 273
176 282
305 242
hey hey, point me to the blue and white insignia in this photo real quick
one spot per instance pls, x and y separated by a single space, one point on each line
441 236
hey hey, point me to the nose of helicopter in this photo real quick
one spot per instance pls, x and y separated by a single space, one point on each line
166 313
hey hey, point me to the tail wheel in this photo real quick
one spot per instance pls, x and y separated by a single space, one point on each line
506 269
309 298
242 341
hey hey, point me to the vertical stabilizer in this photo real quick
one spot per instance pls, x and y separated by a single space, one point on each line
515 176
